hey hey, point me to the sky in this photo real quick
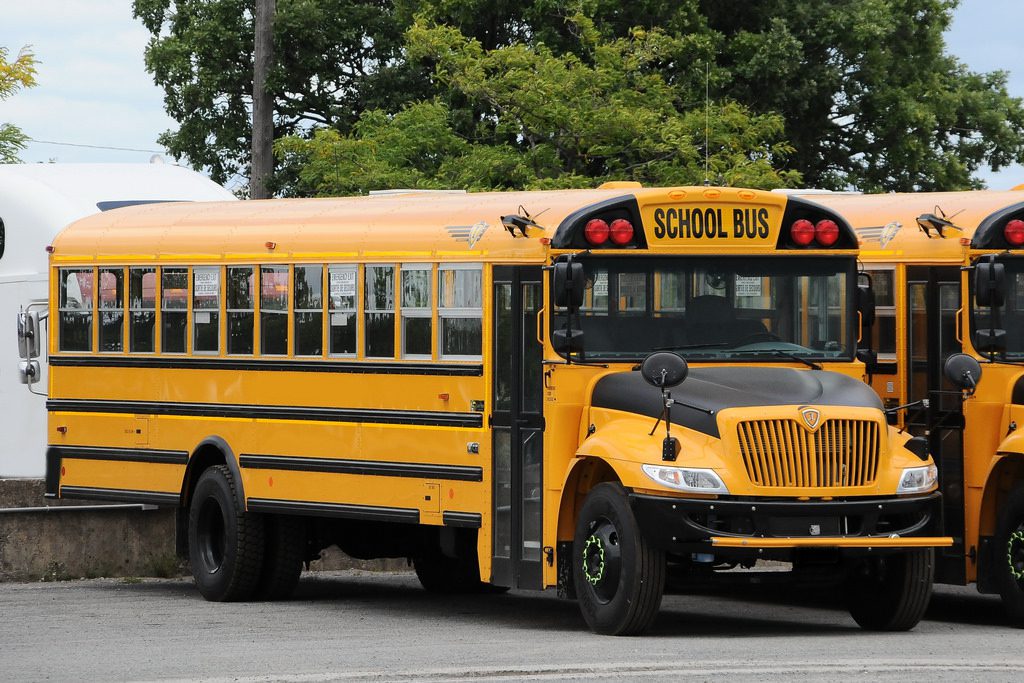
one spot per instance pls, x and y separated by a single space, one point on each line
94 90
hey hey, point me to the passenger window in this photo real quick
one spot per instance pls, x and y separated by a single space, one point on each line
417 310
460 311
142 310
379 293
309 310
342 288
206 309
274 310
883 332
241 311
75 309
111 309
174 310
632 291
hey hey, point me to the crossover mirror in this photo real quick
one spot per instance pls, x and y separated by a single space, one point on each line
664 369
29 371
963 371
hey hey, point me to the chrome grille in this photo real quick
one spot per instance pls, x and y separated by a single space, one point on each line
840 453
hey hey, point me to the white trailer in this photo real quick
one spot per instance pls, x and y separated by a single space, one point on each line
36 202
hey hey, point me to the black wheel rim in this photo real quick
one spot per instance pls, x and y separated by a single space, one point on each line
1015 555
602 560
210 536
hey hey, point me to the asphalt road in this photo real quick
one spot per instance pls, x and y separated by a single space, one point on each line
355 626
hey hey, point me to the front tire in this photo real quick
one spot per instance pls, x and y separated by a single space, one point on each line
891 593
225 543
619 577
1009 556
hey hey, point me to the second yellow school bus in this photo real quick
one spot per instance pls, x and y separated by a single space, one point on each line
925 253
454 378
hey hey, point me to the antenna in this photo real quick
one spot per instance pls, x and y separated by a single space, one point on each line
707 119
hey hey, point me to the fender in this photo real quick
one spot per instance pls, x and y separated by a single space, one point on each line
202 458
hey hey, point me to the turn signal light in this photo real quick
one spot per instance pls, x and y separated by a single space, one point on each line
802 232
1014 232
621 232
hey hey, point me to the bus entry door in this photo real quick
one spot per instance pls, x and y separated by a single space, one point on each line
518 429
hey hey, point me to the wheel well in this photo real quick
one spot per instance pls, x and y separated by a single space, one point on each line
209 453
1004 478
585 475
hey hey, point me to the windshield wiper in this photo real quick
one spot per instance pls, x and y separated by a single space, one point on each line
800 359
683 347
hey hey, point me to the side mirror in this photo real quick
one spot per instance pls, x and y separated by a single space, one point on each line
865 298
28 334
989 283
567 340
664 369
569 283
963 371
29 371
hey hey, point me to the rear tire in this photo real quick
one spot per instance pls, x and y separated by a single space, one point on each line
1009 556
891 593
619 576
283 555
225 543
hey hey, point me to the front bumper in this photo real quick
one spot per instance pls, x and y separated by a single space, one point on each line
695 525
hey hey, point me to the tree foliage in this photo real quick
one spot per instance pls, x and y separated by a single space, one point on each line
15 75
543 93
521 116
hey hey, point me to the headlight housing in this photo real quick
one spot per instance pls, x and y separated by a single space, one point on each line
918 479
686 479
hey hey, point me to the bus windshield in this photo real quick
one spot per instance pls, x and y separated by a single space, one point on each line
742 309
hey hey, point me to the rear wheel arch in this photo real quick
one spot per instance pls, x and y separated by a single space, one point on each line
210 452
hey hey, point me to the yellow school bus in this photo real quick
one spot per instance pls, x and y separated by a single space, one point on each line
948 279
494 385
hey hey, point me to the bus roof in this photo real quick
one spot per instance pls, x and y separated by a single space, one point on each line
407 226
887 226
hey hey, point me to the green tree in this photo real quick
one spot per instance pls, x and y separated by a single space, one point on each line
532 119
14 75
333 60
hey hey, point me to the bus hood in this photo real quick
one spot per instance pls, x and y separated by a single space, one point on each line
715 389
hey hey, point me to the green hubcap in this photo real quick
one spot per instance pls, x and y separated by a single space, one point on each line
1015 554
593 560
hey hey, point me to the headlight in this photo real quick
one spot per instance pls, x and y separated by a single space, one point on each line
918 479
686 479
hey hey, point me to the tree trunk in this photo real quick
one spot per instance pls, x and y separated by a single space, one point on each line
262 163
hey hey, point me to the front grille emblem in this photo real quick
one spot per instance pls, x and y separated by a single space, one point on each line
811 417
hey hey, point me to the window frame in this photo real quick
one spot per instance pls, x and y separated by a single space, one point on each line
322 310
459 312
132 310
416 312
396 268
91 309
356 309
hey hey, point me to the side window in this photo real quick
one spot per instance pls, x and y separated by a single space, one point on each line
883 332
142 310
460 311
174 310
379 293
111 307
632 291
309 310
75 309
241 310
342 289
206 309
274 310
417 310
